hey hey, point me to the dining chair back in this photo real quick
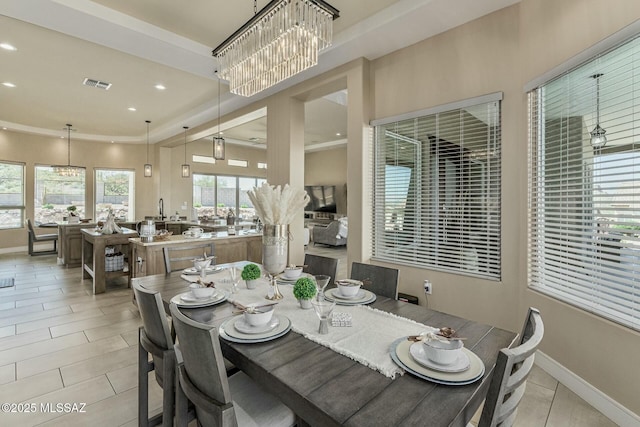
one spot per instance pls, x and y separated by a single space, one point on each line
510 375
35 238
178 258
316 264
380 280
154 338
203 381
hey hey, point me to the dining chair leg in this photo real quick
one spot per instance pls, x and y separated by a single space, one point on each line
182 404
168 391
143 385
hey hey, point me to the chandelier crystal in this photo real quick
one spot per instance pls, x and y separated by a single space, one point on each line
68 170
280 41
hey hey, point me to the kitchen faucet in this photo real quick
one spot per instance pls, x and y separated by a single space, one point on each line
161 208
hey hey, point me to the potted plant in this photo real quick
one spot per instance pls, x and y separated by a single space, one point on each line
251 273
304 290
73 216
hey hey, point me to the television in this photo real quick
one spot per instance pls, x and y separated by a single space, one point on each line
322 198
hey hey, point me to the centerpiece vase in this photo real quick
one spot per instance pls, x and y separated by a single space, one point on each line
275 252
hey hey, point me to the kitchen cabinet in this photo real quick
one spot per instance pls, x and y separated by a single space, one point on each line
147 258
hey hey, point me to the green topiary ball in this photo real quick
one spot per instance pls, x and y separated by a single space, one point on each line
304 288
251 272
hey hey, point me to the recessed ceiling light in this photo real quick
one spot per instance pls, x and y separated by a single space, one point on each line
221 133
9 84
7 46
338 134
131 109
160 87
4 128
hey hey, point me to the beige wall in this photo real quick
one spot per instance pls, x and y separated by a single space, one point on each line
328 167
501 52
37 150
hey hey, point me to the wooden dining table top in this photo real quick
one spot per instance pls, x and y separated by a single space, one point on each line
325 388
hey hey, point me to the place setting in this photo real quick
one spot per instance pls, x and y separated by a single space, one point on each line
438 356
349 292
291 274
199 295
202 266
256 323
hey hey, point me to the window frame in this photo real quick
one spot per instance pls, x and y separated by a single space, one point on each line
581 257
20 207
420 246
35 189
131 211
237 208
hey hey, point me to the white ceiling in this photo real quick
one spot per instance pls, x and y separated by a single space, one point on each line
137 44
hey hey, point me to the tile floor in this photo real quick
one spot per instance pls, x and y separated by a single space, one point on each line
60 344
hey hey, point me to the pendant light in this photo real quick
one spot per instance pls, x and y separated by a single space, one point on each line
68 170
218 141
598 138
148 169
186 169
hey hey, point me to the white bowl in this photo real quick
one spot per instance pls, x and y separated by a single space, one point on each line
260 317
292 272
202 293
349 288
443 352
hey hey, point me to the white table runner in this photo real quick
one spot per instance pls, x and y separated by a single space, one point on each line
366 342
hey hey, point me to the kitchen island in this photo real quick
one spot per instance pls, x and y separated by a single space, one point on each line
94 244
147 257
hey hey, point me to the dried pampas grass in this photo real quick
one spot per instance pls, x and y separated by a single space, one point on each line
276 205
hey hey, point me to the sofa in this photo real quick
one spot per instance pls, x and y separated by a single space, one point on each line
332 234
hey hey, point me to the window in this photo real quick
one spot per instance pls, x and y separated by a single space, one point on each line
239 163
262 165
114 192
214 195
196 158
54 193
11 195
437 188
584 209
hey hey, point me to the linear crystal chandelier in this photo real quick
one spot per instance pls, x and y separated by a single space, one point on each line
68 170
280 41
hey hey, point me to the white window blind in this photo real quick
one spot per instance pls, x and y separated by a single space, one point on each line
584 201
437 188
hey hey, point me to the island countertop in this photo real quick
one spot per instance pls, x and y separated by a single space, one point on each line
203 238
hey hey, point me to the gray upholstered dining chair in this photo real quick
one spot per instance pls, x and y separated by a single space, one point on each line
380 280
316 264
154 337
218 400
36 238
177 258
510 375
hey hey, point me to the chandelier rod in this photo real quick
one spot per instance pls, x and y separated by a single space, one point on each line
264 11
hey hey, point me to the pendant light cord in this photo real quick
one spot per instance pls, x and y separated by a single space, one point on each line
147 122
185 143
68 144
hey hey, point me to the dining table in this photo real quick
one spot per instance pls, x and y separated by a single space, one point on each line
326 388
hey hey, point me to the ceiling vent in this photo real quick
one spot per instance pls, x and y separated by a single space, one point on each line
96 83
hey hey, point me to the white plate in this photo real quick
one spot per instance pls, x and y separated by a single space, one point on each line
399 352
461 364
244 327
189 297
193 270
281 278
228 331
359 295
367 298
217 298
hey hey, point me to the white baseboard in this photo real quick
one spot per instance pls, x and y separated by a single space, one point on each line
594 397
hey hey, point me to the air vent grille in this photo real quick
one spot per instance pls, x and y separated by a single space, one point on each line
96 83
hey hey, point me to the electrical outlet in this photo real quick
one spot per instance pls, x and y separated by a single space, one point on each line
428 287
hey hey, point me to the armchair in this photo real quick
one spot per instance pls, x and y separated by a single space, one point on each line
329 234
